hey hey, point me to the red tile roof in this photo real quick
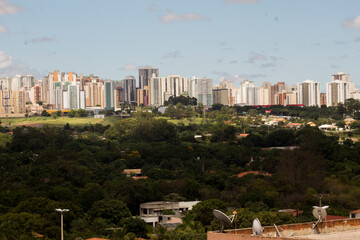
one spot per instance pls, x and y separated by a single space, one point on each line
240 175
97 239
355 211
333 217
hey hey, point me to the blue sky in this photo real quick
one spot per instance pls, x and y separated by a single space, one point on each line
259 40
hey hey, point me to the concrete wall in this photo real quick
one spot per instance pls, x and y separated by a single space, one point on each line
287 231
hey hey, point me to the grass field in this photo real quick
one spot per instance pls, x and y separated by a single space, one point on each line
61 121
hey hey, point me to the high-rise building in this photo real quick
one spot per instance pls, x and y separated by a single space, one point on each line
12 102
108 95
19 103
161 88
337 92
6 102
309 93
340 76
276 88
264 94
94 94
247 93
143 96
201 89
145 74
36 93
220 96
322 99
232 91
129 86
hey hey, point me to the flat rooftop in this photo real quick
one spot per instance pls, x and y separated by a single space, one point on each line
346 235
343 229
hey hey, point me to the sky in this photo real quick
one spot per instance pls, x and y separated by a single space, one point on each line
258 40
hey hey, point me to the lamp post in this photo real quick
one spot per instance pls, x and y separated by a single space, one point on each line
62 220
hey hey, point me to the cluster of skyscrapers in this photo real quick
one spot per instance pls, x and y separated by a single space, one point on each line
63 91
306 93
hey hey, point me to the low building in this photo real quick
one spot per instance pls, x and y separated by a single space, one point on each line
136 174
355 214
151 212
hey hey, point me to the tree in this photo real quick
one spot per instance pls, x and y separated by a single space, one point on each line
170 111
203 211
135 225
44 113
81 113
90 194
14 226
112 210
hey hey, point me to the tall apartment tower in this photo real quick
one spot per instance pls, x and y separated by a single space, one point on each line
247 93
337 92
201 89
109 95
276 88
145 74
309 93
129 86
221 96
264 94
340 76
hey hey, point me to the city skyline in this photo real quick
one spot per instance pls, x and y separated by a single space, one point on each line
258 40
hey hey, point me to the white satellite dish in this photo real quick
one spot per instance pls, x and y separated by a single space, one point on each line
256 227
224 219
320 212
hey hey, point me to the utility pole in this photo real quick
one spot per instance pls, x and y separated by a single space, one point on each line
62 220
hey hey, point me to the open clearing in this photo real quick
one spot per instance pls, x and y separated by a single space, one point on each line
34 121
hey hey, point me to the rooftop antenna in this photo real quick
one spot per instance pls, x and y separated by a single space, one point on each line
224 219
256 227
320 214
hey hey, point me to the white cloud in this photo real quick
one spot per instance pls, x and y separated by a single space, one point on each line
173 55
241 1
254 57
129 67
173 17
5 60
352 23
7 8
237 77
10 68
3 29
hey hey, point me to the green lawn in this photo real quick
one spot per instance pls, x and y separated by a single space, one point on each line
33 121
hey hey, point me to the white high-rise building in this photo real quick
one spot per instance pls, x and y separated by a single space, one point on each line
340 76
337 92
309 93
161 88
201 89
248 93
264 94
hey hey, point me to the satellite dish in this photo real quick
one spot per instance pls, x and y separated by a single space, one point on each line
277 231
320 212
256 227
223 218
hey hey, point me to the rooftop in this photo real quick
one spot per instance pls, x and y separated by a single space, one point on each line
344 229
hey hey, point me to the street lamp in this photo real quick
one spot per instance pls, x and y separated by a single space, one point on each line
62 220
